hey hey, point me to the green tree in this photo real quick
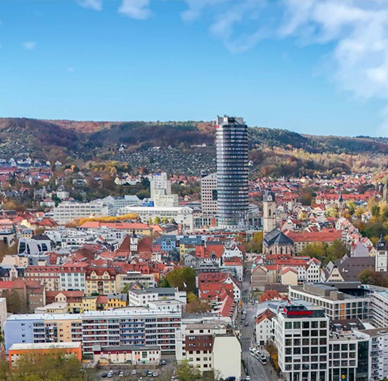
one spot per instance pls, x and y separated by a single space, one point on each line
183 278
315 250
157 220
372 277
185 372
256 245
164 283
336 250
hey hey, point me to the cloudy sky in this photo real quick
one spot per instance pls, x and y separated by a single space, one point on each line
318 67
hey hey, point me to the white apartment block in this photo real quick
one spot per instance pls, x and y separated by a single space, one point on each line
209 194
149 295
72 281
130 326
209 346
182 215
68 211
115 203
337 305
379 308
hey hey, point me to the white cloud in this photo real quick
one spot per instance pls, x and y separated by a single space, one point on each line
96 5
359 32
29 45
136 9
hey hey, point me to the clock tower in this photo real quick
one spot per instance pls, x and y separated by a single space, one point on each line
134 242
381 263
269 212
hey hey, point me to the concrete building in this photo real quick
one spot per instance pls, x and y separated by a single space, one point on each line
68 211
53 308
131 277
209 194
345 300
130 326
42 328
148 295
209 345
161 191
182 215
301 337
232 172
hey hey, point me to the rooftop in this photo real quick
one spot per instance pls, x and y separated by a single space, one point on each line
28 346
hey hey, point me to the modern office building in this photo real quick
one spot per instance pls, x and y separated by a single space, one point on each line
342 300
232 172
301 337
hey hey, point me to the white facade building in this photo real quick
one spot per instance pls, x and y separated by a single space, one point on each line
161 191
149 295
68 211
182 215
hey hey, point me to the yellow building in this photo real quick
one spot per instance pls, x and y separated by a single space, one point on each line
89 303
117 300
101 281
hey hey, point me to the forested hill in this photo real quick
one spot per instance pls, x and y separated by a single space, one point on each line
70 140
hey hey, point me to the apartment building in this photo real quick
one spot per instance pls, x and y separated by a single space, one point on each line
73 277
379 308
67 211
101 280
145 296
130 326
42 328
146 280
209 346
345 300
160 187
49 276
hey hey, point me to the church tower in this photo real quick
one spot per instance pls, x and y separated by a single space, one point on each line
381 260
269 212
134 242
385 191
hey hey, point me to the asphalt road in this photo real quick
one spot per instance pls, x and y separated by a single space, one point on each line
256 370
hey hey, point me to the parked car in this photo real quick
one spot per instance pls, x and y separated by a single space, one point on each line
155 374
104 375
110 374
121 374
163 362
134 372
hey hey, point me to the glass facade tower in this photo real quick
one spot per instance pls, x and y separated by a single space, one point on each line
232 172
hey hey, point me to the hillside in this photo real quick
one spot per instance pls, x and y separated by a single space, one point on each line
156 145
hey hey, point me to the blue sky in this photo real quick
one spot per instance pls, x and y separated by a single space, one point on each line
317 67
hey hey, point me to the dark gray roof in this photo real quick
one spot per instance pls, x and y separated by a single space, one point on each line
277 237
352 266
267 194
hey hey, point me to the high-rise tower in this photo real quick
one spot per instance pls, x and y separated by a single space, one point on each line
232 172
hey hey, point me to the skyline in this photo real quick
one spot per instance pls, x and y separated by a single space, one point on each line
314 67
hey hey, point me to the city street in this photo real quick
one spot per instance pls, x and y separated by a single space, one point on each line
256 370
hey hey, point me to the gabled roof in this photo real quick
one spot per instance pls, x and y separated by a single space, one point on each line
276 237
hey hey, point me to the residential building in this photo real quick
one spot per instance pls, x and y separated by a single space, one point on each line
117 300
263 327
49 276
101 280
130 326
132 277
42 328
145 296
199 344
53 308
232 172
72 277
